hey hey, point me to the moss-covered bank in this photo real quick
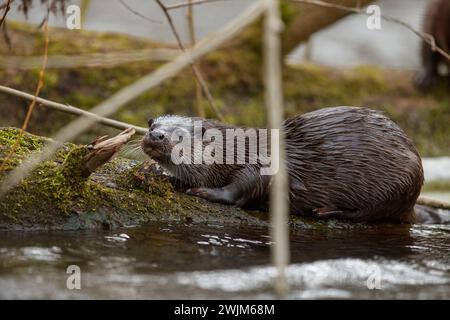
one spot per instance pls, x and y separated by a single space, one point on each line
122 192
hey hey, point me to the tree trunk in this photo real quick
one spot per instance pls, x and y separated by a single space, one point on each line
305 19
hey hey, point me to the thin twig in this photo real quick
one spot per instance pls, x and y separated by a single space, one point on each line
3 5
428 38
137 13
97 60
198 88
274 105
7 7
434 203
33 102
191 26
194 67
125 95
190 3
72 110
7 3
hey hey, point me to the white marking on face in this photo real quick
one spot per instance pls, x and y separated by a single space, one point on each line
169 123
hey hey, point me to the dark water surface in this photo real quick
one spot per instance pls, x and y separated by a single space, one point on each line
207 262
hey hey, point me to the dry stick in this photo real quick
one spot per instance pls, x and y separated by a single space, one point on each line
138 13
33 102
116 101
72 110
4 5
198 88
7 7
433 203
190 3
100 60
428 38
274 104
194 67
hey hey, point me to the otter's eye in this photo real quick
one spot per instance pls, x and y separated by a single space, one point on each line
150 122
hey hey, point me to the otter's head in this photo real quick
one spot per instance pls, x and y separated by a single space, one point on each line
163 135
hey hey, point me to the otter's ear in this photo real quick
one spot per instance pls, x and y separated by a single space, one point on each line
150 122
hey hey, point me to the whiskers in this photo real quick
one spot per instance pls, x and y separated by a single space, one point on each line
133 150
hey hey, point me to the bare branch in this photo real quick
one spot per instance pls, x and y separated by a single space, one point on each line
194 67
190 3
274 105
433 203
97 60
73 110
428 38
3 5
7 3
7 7
116 101
101 150
138 13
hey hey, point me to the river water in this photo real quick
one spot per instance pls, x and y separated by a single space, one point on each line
210 262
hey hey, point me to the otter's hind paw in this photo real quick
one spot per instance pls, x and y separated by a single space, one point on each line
331 213
218 195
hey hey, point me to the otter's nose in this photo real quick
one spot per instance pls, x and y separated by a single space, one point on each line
155 135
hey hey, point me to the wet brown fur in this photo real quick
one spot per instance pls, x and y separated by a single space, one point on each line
343 162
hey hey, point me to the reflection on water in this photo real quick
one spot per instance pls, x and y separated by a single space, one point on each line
204 262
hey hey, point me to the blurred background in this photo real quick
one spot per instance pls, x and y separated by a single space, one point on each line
392 47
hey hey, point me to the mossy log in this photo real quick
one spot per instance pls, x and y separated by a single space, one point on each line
63 194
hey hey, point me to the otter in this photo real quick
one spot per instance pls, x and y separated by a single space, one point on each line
350 163
436 23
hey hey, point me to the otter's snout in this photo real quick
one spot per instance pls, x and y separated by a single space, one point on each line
155 135
149 145
153 141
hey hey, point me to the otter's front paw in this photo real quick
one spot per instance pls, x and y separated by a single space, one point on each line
198 192
214 195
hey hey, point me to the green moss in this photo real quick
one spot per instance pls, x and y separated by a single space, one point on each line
57 189
73 168
147 177
51 183
438 185
288 12
9 142
27 143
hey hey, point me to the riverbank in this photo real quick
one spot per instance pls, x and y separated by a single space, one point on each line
121 193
